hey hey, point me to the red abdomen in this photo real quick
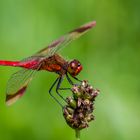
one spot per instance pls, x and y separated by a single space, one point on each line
9 63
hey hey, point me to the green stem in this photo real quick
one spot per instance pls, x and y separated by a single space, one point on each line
77 132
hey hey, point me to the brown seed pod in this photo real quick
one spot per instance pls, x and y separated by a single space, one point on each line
79 108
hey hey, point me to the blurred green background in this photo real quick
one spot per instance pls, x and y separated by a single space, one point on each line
110 55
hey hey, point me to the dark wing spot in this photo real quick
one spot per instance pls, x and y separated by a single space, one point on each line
57 42
85 27
12 98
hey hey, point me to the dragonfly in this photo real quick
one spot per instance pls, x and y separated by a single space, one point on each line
47 59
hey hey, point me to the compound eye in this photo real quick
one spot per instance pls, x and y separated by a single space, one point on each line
79 64
73 65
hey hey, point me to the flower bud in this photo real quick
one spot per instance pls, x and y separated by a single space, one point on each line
76 92
89 117
71 102
84 125
79 108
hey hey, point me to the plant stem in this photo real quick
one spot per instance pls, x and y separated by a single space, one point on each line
77 132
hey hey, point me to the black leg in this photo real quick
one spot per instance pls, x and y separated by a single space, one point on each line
59 80
51 90
69 80
77 79
64 88
58 88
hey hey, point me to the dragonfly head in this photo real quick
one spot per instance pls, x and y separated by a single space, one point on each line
74 67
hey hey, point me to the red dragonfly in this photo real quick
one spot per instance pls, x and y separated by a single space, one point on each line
46 59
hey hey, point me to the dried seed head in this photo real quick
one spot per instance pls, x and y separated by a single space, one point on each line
71 102
78 111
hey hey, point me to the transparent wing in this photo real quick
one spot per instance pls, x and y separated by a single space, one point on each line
17 85
65 40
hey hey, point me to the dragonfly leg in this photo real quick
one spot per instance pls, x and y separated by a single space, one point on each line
64 88
51 93
69 80
58 88
77 79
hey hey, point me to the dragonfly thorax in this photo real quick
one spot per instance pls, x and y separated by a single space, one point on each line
74 67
